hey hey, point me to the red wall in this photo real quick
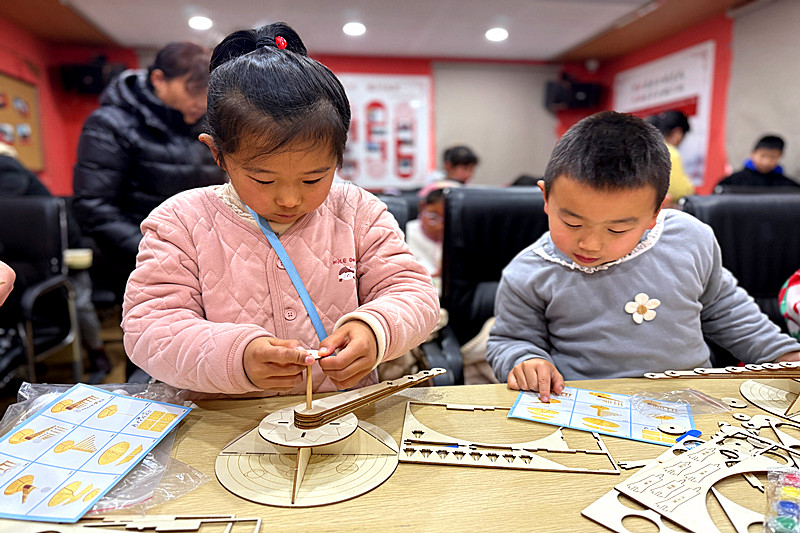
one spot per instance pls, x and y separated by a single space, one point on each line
32 60
719 30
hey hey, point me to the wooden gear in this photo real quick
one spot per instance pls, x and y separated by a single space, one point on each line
300 457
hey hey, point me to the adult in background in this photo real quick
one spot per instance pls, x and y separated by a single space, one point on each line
138 149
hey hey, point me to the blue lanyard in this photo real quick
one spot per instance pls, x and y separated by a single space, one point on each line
269 233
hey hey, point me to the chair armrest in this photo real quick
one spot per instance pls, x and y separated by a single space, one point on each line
34 292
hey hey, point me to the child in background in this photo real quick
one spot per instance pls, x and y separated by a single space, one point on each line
210 307
424 234
789 300
674 126
762 169
619 287
459 166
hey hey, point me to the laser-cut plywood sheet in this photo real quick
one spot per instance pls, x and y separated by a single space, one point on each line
422 444
776 396
604 412
260 471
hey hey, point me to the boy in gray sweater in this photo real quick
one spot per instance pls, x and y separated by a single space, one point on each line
619 287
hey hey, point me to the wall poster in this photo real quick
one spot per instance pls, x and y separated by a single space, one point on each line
683 81
388 144
19 121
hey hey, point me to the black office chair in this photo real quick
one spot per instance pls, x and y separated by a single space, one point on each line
484 228
41 308
397 207
759 235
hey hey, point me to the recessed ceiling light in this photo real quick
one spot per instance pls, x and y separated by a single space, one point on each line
200 23
497 34
354 29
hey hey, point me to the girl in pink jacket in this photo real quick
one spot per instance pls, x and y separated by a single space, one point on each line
211 306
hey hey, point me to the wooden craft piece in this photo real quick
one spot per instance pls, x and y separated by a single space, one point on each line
328 409
608 511
735 403
421 444
677 488
672 429
278 428
263 472
777 397
741 517
163 523
786 370
742 417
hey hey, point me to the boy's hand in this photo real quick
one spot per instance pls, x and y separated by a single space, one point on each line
789 357
536 375
275 364
358 351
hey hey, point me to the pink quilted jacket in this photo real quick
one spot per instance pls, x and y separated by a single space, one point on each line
207 282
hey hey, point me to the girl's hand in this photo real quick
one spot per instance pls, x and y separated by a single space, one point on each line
358 351
275 364
536 375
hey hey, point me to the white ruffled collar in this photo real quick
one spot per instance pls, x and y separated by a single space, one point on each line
648 240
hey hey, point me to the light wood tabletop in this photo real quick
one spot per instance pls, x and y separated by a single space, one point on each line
419 497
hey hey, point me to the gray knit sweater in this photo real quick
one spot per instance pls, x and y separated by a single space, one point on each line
576 317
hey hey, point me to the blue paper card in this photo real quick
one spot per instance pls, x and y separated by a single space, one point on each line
57 464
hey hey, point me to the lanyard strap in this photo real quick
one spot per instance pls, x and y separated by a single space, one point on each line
269 233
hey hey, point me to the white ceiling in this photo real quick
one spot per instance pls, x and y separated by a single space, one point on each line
538 29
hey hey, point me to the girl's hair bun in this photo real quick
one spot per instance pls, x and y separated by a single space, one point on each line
246 41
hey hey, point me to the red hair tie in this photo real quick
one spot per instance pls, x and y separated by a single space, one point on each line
280 42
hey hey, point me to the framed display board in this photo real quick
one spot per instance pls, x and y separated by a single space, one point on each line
19 121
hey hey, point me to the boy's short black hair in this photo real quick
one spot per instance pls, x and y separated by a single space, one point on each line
770 142
460 156
611 151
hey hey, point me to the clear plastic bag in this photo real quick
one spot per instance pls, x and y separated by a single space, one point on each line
156 479
647 403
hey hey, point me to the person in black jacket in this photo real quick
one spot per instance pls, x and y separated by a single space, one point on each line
762 169
138 149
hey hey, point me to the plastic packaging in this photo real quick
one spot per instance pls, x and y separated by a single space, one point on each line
782 514
156 479
700 403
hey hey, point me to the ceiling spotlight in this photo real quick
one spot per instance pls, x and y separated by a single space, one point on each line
354 29
497 34
200 23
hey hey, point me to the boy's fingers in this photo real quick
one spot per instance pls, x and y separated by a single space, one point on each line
543 380
558 383
512 381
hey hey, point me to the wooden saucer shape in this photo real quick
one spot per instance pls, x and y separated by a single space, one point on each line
776 396
672 429
257 470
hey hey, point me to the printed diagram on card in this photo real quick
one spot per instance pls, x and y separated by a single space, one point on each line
607 413
55 465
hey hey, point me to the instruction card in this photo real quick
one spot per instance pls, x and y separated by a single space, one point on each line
606 413
55 465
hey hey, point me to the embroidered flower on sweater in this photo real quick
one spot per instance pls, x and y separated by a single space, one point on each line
641 308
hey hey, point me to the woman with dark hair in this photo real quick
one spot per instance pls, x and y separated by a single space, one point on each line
138 149
235 283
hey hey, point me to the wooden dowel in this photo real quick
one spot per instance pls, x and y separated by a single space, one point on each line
309 389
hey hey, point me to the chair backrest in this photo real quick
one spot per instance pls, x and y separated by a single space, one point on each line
746 189
33 237
484 228
759 235
398 207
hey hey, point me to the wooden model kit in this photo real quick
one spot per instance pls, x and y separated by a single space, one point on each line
155 523
786 370
674 486
420 444
777 397
301 457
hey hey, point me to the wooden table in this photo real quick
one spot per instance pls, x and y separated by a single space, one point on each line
439 498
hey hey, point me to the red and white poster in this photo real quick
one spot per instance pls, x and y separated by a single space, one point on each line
389 141
683 81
